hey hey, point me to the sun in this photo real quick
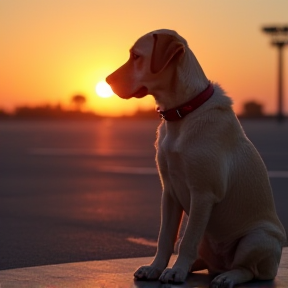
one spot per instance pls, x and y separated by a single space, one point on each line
103 90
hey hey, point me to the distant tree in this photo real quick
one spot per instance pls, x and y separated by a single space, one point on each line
252 109
4 114
78 101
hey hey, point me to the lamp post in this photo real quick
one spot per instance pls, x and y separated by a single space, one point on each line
279 39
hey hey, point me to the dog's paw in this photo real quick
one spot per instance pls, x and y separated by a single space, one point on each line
173 275
222 281
147 273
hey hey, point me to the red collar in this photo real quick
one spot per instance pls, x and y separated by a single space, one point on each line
181 111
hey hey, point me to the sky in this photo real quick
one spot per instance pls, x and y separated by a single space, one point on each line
51 50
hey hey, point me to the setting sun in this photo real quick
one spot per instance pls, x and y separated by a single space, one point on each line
103 90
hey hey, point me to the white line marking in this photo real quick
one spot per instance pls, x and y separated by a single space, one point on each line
278 174
154 171
86 152
142 241
111 152
129 170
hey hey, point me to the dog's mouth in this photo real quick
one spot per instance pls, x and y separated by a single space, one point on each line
143 91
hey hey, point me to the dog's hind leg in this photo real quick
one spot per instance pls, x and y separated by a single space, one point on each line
257 257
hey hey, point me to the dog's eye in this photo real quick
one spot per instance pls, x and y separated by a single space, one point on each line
134 56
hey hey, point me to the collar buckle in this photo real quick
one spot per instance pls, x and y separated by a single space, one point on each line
162 116
178 113
181 111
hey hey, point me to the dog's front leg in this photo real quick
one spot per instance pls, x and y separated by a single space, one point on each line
171 213
199 214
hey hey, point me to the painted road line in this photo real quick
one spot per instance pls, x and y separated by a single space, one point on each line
129 170
278 174
125 153
87 152
154 171
142 241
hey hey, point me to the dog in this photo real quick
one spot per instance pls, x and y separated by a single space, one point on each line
208 168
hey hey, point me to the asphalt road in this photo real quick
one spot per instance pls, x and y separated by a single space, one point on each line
78 191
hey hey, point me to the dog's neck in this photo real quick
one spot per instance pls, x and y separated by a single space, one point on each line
184 83
169 100
181 111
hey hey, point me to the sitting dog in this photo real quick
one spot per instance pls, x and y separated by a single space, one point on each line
209 170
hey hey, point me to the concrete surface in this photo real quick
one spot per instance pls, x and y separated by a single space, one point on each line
113 273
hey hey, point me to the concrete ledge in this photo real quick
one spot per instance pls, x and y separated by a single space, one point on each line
113 273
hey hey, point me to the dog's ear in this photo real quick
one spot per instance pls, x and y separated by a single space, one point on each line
165 48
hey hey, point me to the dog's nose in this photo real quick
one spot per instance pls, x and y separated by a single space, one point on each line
108 79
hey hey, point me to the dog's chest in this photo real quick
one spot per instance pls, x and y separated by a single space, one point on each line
170 149
172 165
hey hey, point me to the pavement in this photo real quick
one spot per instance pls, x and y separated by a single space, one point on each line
72 190
116 273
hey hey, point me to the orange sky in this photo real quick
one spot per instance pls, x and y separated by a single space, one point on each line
54 49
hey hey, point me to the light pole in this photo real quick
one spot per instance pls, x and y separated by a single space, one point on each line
279 39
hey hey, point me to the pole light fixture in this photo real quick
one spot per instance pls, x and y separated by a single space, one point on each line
279 36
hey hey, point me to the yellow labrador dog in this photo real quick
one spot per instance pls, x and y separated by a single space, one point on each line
209 170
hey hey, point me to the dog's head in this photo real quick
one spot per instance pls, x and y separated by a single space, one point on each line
154 53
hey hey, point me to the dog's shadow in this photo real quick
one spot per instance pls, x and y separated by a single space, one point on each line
201 279
193 280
